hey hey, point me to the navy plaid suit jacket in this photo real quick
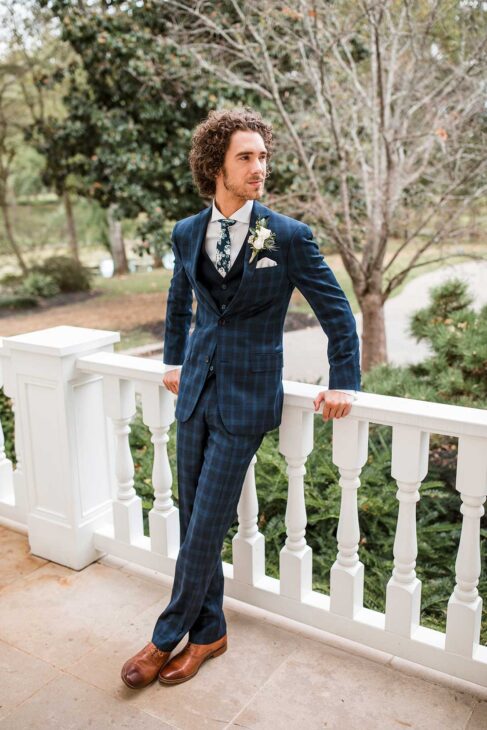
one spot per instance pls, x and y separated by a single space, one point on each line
249 336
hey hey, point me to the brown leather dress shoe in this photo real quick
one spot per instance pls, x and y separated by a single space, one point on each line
142 669
185 665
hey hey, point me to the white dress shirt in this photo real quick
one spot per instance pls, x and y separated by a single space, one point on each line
238 233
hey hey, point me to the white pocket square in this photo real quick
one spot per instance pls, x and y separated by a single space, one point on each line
262 263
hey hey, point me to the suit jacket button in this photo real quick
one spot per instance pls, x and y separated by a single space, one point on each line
221 321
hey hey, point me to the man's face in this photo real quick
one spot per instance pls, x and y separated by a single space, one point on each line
245 164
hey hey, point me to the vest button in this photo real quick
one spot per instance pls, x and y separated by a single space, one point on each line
207 359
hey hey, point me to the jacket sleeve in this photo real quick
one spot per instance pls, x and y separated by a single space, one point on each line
313 277
178 310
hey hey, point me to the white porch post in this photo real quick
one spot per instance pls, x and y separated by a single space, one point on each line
464 613
350 444
410 448
248 545
296 557
64 436
158 414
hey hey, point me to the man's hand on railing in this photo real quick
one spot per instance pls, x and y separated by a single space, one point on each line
337 404
171 380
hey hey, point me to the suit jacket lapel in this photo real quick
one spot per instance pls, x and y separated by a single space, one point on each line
249 268
198 237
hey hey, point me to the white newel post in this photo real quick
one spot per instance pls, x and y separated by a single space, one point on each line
158 414
410 448
350 444
465 605
296 557
248 545
120 407
63 433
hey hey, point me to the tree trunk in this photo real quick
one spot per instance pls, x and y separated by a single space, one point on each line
72 237
116 243
11 238
156 261
374 347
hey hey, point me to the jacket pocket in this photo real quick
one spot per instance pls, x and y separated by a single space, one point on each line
266 361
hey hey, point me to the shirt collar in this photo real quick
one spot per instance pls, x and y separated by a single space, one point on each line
242 215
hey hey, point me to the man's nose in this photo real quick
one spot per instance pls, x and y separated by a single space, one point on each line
258 168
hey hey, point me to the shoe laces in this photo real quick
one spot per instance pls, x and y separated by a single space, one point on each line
155 651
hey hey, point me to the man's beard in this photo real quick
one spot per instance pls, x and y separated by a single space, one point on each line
241 191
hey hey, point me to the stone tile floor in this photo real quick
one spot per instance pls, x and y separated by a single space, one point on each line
65 634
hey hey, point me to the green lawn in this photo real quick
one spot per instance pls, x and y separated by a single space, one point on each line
136 283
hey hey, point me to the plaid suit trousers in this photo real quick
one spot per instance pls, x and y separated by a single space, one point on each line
212 464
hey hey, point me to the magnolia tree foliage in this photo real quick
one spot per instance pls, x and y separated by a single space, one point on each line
384 106
129 126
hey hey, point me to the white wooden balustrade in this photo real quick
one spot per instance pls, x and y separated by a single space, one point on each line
73 488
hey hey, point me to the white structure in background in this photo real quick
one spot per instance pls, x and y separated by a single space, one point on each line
74 399
168 260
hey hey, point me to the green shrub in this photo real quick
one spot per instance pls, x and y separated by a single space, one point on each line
17 301
69 275
41 285
11 282
456 371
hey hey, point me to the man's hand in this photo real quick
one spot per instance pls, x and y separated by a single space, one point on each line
171 380
337 404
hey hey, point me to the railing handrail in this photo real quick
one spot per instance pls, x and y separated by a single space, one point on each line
128 367
388 410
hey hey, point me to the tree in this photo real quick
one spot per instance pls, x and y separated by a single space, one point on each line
12 114
383 104
35 61
128 97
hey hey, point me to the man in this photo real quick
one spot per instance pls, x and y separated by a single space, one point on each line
242 261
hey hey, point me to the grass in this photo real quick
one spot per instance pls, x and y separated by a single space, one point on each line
141 282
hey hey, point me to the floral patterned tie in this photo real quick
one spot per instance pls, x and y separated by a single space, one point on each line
223 247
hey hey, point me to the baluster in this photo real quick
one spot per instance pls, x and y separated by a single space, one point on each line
158 414
119 398
296 557
465 605
350 442
409 467
6 474
248 545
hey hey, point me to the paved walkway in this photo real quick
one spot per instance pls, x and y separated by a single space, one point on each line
65 634
305 350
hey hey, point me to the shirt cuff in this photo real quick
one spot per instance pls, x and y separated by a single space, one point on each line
349 392
171 367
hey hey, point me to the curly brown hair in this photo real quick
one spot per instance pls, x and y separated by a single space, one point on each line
211 140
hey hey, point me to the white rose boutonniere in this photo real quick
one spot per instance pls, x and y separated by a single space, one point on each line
261 238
